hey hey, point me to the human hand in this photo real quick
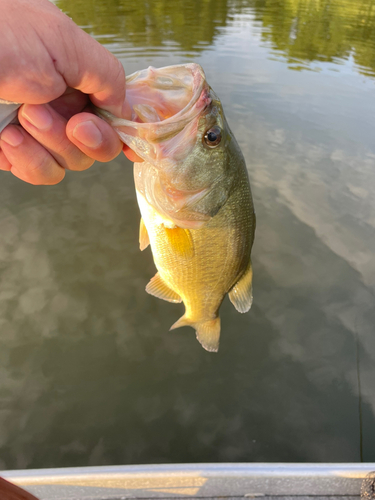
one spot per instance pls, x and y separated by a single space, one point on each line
57 69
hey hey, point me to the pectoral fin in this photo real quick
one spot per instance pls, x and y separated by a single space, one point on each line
160 289
180 241
241 295
144 240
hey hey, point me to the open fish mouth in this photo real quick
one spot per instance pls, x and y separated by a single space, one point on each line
164 102
172 108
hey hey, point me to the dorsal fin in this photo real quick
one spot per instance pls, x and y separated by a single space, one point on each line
158 287
180 241
241 295
144 239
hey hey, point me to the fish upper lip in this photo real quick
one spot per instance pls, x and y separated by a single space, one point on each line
201 93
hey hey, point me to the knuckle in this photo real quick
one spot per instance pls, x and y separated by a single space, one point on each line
69 156
82 163
42 170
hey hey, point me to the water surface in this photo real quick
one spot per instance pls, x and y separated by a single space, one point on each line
89 373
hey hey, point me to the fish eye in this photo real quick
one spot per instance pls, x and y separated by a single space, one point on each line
213 137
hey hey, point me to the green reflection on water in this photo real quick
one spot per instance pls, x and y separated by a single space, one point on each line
151 24
302 30
323 30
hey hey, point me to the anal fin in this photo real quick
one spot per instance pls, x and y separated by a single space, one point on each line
241 295
157 287
144 239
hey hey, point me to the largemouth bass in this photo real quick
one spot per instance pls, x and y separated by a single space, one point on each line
194 195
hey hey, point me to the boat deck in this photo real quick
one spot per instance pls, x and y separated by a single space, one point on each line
205 481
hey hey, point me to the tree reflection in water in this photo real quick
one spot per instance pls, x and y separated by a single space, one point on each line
303 31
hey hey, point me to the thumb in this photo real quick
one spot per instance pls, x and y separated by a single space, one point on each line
93 70
52 54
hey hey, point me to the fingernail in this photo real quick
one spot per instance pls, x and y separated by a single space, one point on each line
38 115
12 136
88 134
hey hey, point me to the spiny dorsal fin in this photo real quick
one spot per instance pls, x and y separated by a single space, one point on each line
144 240
241 295
157 287
180 241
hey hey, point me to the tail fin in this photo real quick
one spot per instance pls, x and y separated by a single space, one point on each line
208 332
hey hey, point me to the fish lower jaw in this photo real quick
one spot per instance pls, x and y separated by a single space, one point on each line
171 220
171 223
168 218
190 224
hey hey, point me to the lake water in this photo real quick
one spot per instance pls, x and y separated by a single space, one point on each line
90 374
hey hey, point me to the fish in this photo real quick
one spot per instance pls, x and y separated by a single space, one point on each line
194 195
